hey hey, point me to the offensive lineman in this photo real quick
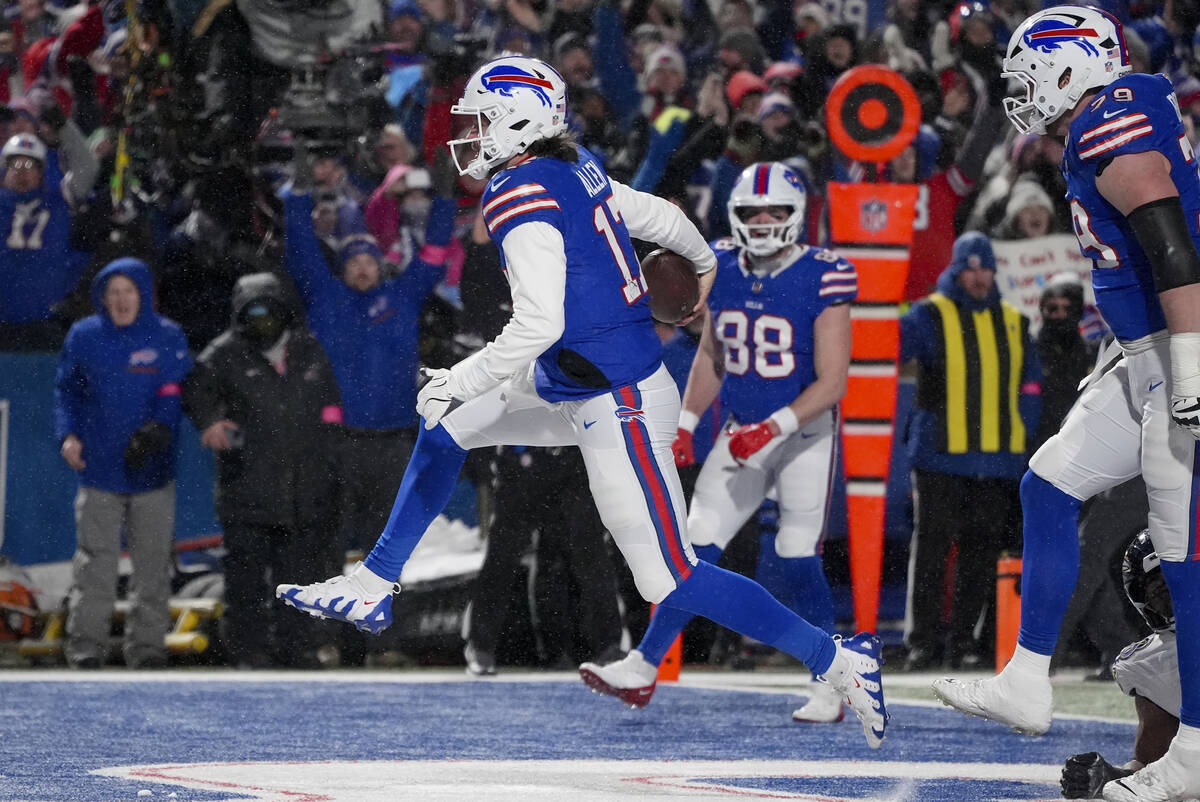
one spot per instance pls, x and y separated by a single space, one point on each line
578 364
779 318
1135 198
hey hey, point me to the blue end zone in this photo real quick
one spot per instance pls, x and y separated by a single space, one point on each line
56 732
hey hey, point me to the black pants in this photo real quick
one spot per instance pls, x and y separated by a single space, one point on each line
373 465
255 628
981 516
575 584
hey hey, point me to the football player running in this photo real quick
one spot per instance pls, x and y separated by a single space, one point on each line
578 364
1135 196
776 347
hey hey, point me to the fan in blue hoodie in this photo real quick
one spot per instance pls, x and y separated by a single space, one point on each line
116 414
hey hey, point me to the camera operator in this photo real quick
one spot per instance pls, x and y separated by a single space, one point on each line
253 45
369 327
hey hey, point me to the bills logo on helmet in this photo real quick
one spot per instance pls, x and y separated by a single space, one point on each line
1053 33
504 79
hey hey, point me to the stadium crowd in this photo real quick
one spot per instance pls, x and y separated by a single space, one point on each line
262 189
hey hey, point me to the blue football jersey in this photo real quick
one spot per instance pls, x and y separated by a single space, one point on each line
1133 114
609 339
39 267
765 324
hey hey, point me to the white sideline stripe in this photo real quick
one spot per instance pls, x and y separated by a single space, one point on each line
879 254
874 312
873 371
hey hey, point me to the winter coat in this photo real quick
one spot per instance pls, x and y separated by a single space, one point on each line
113 379
283 468
922 338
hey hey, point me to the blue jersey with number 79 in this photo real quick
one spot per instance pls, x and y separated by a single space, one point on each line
609 339
1134 114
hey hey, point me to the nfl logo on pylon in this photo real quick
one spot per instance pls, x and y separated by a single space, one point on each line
874 215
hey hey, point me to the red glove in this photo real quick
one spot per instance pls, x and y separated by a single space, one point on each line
748 440
682 449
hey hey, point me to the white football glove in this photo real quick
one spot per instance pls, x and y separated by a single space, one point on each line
1185 381
439 395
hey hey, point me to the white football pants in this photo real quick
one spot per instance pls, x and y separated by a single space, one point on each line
800 470
625 437
1120 427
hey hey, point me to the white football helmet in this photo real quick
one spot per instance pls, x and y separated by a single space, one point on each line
24 145
1058 54
766 184
508 104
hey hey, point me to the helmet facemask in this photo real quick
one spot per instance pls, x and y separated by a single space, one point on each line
474 152
764 239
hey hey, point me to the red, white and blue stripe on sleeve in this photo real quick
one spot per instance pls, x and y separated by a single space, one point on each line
839 284
1112 134
521 203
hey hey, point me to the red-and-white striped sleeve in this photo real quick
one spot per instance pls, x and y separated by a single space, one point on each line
516 192
837 282
519 209
1115 142
1123 121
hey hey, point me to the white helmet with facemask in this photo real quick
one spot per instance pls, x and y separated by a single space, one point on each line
508 104
1058 54
766 185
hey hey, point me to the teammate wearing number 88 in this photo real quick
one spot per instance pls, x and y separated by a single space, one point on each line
778 330
1132 183
579 364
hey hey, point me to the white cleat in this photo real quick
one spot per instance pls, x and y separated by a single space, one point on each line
631 679
1174 777
857 676
342 598
1026 709
824 706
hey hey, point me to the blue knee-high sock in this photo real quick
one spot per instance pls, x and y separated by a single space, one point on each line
1050 561
741 604
428 482
668 622
813 600
1183 580
770 573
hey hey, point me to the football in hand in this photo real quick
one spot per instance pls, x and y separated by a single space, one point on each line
673 284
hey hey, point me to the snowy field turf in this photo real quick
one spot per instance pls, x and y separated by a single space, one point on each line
367 736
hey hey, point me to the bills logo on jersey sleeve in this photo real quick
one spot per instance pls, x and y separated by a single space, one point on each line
503 79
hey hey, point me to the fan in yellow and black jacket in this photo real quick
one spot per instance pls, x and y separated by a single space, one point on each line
977 406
